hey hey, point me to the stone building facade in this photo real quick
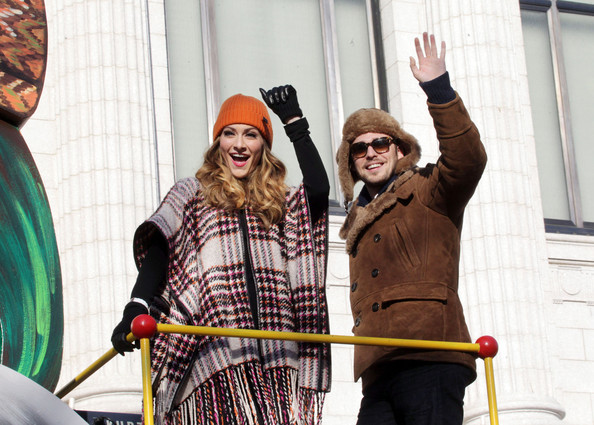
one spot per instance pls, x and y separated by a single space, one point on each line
106 139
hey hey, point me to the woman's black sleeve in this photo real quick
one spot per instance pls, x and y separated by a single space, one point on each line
152 272
315 179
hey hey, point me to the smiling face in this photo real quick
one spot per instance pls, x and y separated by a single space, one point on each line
241 146
375 169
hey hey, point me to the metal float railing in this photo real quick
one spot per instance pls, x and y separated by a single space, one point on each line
145 327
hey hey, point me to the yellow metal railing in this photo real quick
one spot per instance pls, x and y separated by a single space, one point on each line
144 327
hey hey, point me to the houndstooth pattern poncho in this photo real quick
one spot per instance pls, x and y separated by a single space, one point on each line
200 380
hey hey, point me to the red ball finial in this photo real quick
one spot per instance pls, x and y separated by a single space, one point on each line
143 326
488 346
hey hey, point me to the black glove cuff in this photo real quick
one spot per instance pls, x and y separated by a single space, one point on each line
134 309
288 110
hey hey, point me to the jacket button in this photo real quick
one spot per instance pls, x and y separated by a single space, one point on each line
377 238
357 321
354 287
374 272
375 307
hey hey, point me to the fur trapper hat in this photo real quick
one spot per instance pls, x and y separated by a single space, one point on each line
372 120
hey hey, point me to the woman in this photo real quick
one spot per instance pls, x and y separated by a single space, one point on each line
235 248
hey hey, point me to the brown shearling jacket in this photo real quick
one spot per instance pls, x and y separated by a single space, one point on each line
404 250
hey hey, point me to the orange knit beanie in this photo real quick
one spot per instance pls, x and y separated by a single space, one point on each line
240 109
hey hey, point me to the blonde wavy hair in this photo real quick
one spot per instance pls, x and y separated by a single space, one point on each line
262 191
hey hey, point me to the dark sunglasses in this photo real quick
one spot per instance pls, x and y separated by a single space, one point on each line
379 145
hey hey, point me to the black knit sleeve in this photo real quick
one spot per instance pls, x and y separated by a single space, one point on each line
439 90
152 272
315 179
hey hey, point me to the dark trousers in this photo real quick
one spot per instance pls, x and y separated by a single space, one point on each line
416 393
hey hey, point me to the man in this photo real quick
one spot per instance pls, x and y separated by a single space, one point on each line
403 240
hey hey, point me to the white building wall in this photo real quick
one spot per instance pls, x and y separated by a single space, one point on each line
570 313
103 144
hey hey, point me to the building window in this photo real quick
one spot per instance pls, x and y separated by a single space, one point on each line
325 48
559 46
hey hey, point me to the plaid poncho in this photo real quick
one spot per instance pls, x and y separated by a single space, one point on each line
213 380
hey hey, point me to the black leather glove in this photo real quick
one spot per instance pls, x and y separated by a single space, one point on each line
283 102
118 337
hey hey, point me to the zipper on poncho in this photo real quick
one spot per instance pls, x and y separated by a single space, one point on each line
252 288
250 275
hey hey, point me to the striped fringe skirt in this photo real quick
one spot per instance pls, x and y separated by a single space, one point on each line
247 394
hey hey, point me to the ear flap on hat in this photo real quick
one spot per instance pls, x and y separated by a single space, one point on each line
345 176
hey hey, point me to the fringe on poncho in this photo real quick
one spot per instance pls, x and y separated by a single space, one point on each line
209 380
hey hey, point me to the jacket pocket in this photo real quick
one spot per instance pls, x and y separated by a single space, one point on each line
415 291
404 246
408 311
416 311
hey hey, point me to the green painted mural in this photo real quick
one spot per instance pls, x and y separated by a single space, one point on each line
31 307
31 314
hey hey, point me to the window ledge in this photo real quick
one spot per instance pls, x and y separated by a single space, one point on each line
570 248
567 228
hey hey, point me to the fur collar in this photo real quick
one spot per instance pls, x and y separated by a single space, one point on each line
359 218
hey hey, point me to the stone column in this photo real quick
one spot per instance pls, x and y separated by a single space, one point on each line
504 264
